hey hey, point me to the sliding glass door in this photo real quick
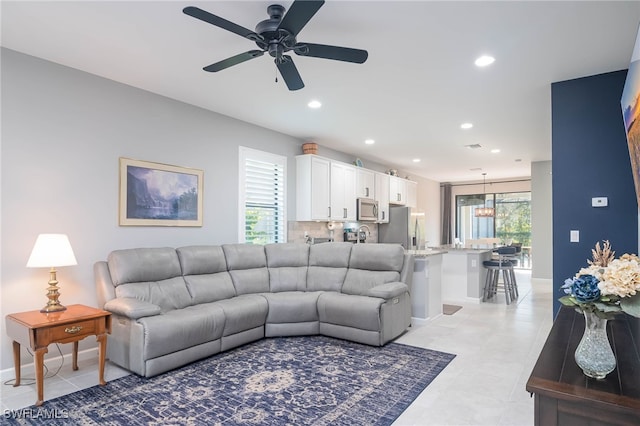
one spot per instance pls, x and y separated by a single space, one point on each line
511 224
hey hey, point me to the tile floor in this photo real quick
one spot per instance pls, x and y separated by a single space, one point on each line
496 347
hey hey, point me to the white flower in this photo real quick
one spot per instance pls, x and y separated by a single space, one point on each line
621 277
594 270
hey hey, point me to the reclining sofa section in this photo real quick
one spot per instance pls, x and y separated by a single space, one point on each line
174 306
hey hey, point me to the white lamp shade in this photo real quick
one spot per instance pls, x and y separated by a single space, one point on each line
51 250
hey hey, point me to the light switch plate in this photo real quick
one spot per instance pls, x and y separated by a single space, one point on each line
574 236
599 202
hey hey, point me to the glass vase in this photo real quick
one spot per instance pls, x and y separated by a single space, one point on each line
594 354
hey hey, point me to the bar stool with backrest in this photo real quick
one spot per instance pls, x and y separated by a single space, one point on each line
503 263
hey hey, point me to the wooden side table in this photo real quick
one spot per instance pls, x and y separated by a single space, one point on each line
565 396
38 330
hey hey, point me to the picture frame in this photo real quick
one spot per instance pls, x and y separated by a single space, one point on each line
156 194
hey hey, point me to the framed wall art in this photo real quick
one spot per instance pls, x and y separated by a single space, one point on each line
154 194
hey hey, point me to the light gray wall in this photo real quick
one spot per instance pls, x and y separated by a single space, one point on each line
541 220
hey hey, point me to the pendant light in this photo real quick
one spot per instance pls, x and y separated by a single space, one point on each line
485 211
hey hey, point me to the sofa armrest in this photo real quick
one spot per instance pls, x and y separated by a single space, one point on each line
388 291
132 308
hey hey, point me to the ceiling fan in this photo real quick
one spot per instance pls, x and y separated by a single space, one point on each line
277 35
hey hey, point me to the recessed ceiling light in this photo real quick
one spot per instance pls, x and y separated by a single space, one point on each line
466 126
495 151
369 141
314 104
416 160
484 60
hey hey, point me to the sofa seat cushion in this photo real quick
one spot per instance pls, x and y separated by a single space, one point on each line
347 310
181 328
243 313
292 307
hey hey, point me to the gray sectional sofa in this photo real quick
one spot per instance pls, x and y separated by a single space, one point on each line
173 306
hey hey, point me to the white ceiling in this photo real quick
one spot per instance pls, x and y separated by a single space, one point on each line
418 85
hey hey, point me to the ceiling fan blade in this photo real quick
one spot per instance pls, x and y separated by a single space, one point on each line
300 12
337 53
289 73
221 23
234 60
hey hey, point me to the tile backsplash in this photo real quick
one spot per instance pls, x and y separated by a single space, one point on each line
296 230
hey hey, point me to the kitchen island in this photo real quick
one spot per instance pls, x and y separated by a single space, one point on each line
426 289
463 275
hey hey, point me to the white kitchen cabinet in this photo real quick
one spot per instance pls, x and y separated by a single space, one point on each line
412 193
403 192
382 197
343 192
397 191
365 183
313 177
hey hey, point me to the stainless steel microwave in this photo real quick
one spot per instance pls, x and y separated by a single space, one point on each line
367 209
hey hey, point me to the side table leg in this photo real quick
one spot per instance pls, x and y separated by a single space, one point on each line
74 356
39 361
102 353
16 362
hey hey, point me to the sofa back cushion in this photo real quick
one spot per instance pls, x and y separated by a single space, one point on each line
205 273
288 264
371 265
149 274
247 265
328 264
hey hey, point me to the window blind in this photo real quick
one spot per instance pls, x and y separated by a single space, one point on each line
263 209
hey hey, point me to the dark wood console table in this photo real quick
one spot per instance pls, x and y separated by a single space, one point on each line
565 396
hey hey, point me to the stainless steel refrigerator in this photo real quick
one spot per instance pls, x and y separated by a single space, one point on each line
406 226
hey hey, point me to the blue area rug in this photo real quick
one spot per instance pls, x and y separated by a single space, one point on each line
295 380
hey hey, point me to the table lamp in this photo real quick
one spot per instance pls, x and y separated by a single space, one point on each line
50 251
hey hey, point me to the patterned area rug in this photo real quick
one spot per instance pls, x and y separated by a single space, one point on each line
295 380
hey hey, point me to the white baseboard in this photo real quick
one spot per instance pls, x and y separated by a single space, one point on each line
52 363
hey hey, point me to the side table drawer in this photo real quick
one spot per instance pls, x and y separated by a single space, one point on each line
70 332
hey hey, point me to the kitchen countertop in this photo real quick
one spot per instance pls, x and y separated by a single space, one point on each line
425 253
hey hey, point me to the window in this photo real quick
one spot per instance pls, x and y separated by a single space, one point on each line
262 201
511 224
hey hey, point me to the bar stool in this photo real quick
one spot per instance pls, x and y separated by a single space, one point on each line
504 264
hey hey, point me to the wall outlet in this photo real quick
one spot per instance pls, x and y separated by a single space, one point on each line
574 236
599 202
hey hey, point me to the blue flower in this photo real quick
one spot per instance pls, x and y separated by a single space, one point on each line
584 288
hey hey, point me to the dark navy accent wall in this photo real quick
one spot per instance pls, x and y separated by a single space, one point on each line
590 158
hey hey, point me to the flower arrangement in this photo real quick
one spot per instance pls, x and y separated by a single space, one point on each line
607 286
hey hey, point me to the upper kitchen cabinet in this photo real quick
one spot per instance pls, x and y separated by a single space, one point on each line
382 196
365 183
313 177
343 192
397 191
403 192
